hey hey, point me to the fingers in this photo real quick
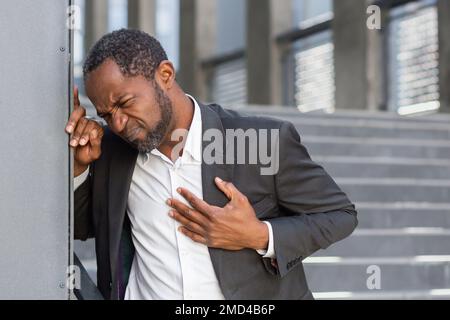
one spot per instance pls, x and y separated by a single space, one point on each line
194 236
195 202
222 187
91 151
95 139
85 132
76 98
186 213
77 114
79 129
188 224
229 190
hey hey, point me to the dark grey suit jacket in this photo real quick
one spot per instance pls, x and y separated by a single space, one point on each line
305 207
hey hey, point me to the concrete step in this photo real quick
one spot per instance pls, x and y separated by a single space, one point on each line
403 215
391 243
376 147
365 128
395 189
91 267
434 294
289 113
369 167
85 250
396 273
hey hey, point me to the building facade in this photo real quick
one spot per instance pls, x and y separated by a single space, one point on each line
314 55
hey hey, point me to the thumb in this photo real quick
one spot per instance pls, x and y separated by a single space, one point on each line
95 140
227 188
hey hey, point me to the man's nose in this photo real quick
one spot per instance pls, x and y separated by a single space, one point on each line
119 121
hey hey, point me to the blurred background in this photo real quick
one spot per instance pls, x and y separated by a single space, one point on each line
371 105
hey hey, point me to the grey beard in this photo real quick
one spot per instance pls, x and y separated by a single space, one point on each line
156 136
153 139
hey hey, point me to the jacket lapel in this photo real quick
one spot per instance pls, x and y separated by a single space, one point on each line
211 194
121 172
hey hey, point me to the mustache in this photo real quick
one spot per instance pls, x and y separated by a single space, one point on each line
131 133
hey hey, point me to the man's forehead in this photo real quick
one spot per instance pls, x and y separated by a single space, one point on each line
108 73
103 85
106 85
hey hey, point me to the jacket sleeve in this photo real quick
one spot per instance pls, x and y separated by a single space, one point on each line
83 223
315 213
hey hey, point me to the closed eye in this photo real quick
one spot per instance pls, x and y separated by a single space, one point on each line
120 103
127 103
108 114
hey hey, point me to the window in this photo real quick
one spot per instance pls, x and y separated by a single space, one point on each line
231 28
310 12
229 83
314 73
167 27
229 79
312 58
117 14
414 58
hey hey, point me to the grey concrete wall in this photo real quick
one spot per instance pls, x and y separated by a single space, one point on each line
34 157
376 55
231 27
444 53
265 20
142 15
96 21
197 42
350 53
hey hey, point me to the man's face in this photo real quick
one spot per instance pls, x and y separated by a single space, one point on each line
135 109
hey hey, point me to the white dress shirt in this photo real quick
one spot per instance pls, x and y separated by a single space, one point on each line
167 264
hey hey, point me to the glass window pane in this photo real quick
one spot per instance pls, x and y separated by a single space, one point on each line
229 83
308 12
231 25
314 73
167 27
413 50
117 14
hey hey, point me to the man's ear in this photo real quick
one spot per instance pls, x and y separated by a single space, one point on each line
165 74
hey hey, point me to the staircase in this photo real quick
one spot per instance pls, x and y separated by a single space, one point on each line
397 172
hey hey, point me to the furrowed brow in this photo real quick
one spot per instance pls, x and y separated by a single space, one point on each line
114 104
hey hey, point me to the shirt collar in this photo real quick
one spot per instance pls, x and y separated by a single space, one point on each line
193 145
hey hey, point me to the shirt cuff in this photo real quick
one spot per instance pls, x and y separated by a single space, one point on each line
78 181
270 252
